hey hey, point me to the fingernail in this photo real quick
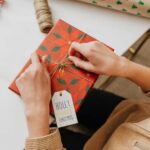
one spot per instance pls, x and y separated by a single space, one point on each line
74 43
44 58
70 58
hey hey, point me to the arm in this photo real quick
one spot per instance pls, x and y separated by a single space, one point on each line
34 87
35 90
101 60
139 74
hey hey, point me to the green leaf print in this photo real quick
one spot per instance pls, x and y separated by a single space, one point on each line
61 81
43 48
79 102
134 6
94 1
48 59
57 35
69 29
74 81
81 36
119 2
148 10
87 88
56 48
141 2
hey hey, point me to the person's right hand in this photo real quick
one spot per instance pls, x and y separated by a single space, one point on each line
35 88
99 58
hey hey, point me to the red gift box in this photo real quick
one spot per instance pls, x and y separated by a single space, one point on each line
64 75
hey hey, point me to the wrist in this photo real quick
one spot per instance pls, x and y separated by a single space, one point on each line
128 69
124 69
37 121
33 110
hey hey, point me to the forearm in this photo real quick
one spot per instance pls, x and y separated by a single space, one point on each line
137 73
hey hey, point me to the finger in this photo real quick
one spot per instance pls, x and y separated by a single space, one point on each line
44 58
44 62
86 65
35 59
28 69
23 75
18 83
78 48
19 80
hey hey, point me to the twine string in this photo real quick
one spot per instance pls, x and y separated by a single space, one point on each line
61 67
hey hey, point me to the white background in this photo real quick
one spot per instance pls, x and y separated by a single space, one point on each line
20 36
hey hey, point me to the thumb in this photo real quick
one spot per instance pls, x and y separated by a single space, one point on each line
44 61
86 65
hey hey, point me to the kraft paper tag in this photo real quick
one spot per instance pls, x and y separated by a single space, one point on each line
64 109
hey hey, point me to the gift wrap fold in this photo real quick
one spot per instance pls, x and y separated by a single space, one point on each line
63 73
136 7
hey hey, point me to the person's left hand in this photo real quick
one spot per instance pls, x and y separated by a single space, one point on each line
98 58
35 90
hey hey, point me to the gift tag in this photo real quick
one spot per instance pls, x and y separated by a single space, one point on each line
64 109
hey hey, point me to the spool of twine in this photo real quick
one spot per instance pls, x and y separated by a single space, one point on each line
43 15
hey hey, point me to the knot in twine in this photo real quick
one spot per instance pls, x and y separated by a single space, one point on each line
61 68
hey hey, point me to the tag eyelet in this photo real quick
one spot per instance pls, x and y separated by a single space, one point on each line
60 93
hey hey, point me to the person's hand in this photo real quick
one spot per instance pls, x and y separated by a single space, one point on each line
99 58
35 90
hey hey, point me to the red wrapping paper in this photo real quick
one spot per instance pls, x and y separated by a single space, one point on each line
70 78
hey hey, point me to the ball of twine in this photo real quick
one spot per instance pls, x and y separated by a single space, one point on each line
43 15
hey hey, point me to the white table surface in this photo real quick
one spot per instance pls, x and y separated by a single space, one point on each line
20 36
